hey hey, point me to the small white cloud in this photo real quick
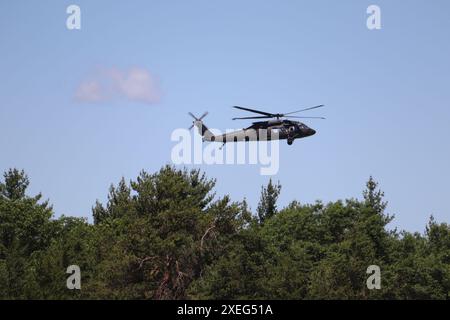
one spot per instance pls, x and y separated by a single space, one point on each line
135 84
89 91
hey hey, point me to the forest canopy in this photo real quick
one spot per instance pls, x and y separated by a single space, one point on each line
167 235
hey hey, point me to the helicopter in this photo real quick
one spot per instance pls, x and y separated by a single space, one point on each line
277 127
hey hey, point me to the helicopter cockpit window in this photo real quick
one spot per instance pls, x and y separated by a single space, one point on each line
302 126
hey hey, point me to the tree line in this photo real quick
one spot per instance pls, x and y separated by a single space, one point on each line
166 235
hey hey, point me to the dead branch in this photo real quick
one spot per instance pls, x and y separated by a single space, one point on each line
204 236
144 260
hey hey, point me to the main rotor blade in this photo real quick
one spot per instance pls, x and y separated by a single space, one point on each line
262 117
305 109
255 111
297 117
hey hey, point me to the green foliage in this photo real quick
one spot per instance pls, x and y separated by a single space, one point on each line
267 206
166 225
25 229
167 236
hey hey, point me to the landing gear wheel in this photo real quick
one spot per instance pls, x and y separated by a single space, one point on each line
290 141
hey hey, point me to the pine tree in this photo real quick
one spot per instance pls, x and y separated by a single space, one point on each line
374 197
15 184
267 206
25 230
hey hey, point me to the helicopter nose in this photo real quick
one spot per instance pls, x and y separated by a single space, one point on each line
311 132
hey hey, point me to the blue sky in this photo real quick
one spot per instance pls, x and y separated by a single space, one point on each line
386 94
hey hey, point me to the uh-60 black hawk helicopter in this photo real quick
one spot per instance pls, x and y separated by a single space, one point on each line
278 127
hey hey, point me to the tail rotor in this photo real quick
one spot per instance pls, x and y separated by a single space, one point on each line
196 119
